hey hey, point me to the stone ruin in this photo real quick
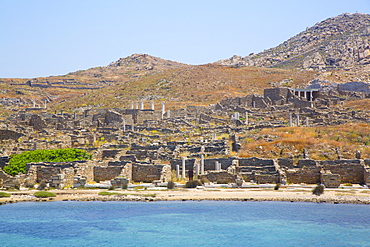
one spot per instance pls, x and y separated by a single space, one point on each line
146 145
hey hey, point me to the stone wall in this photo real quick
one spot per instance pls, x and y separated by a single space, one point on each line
4 160
150 173
221 177
58 175
109 153
308 174
9 134
189 164
144 115
350 171
267 178
277 95
103 173
209 164
330 180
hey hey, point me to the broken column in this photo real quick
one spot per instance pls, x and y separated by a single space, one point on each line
124 125
183 167
290 120
163 108
202 164
177 171
213 136
297 120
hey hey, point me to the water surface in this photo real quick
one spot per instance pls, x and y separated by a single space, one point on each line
190 223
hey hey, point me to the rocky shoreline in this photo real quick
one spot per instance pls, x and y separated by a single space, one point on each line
251 195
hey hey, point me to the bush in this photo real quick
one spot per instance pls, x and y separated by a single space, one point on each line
193 184
318 190
44 194
17 163
277 186
107 193
4 194
170 185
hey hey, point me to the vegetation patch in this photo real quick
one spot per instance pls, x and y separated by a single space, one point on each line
318 190
17 163
44 194
4 194
107 193
193 184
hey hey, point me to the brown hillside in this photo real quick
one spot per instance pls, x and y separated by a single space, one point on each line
196 85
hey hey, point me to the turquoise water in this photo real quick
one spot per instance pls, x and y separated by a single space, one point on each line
190 223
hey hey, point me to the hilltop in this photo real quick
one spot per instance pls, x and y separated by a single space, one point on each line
340 42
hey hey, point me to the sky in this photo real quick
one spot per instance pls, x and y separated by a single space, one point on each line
54 37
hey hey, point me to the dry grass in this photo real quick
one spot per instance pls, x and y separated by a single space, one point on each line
320 142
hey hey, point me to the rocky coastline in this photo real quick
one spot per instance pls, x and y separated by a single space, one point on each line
335 196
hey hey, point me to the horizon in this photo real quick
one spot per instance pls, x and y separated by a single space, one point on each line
45 38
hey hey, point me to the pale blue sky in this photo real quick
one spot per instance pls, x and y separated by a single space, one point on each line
54 37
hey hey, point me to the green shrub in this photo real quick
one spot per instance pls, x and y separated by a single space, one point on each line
4 194
277 186
107 193
149 195
193 184
17 163
170 185
318 190
44 194
347 184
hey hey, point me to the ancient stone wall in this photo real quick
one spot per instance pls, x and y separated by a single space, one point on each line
209 164
285 163
103 173
310 175
4 160
221 177
267 178
109 153
277 95
255 162
150 173
189 164
330 180
350 171
9 134
144 115
297 103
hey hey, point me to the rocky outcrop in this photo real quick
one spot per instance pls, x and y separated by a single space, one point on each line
144 62
338 42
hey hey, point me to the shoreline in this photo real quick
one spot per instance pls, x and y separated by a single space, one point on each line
336 196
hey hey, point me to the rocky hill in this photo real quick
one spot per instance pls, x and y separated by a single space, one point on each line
335 43
130 67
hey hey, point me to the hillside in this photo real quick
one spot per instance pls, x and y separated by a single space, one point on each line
143 77
340 42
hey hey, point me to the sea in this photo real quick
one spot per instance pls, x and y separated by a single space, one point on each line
184 223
